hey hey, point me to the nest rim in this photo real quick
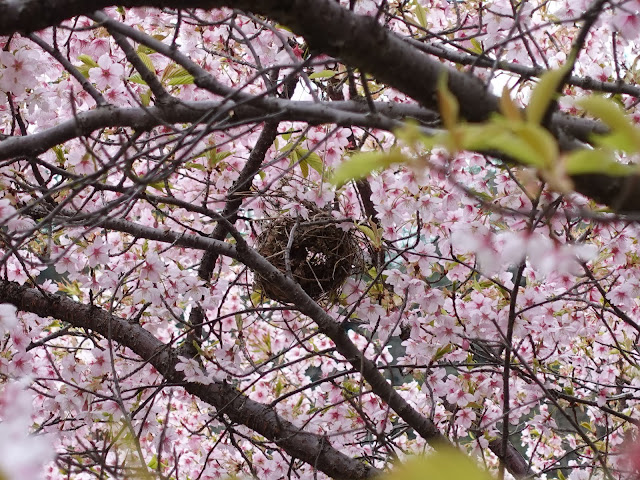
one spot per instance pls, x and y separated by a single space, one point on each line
321 255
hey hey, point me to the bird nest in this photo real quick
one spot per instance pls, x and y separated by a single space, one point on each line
316 253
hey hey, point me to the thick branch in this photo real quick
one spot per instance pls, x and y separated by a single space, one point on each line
358 40
240 189
341 113
617 192
313 449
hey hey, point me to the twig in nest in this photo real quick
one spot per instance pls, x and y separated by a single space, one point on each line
287 252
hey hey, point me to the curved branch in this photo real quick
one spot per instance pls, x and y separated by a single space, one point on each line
313 449
341 113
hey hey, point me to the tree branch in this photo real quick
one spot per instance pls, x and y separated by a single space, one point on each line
525 71
341 113
313 449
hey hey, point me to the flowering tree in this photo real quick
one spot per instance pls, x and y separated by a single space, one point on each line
149 151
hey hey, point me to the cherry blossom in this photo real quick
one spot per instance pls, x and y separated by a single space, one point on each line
625 20
23 456
107 72
8 319
149 150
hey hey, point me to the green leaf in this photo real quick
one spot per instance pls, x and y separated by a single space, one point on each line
620 140
293 157
137 78
87 60
307 159
373 233
304 168
477 46
214 157
421 14
147 61
84 70
508 108
517 148
87 64
170 70
71 288
444 464
543 93
362 164
145 97
153 463
409 133
442 351
315 162
279 26
279 387
157 185
606 110
59 154
367 231
256 297
482 195
174 71
194 165
540 140
596 161
145 49
322 74
485 138
181 80
222 155
624 135
448 103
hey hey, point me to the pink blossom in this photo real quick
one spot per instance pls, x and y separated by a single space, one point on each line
457 395
623 295
97 252
107 73
447 330
6 209
627 21
193 372
82 162
66 263
19 70
16 271
8 318
465 418
23 456
153 268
